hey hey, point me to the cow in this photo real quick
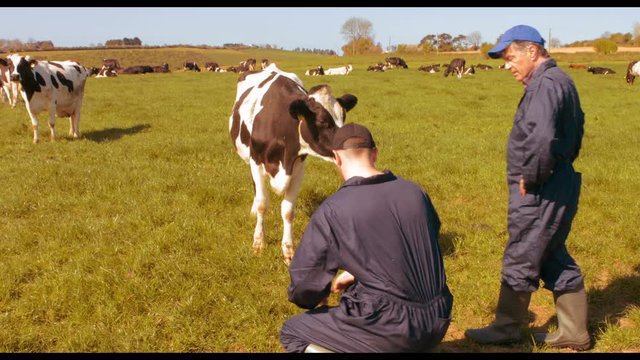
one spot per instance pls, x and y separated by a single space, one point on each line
106 71
233 69
395 62
315 72
470 71
343 70
164 68
94 71
378 67
455 66
577 66
247 65
275 123
111 63
8 88
502 66
429 68
211 66
53 86
600 70
264 63
132 70
633 70
484 67
190 66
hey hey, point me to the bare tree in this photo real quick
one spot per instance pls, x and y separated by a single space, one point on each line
475 39
355 29
636 32
554 43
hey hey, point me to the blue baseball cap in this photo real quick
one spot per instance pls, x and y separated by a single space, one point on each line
518 32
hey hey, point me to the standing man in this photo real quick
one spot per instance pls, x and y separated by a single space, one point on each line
382 230
543 197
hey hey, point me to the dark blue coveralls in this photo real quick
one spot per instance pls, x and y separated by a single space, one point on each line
544 141
384 231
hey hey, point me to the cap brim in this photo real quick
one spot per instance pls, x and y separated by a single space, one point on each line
497 50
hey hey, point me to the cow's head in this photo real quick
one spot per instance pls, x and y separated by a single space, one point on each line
22 66
630 74
321 114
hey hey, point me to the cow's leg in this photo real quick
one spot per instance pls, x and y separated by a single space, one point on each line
74 122
34 124
52 121
14 95
260 205
287 209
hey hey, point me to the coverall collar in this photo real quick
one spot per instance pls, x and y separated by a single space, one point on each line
375 179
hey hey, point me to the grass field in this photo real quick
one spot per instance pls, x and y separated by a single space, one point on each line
137 237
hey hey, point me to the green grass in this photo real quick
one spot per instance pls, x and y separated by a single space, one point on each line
137 237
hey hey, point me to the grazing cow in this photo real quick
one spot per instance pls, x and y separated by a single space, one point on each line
264 63
600 70
484 67
275 123
455 66
429 68
211 66
247 65
106 71
343 70
190 66
8 88
395 62
111 63
378 67
164 68
138 69
633 70
577 66
315 72
53 86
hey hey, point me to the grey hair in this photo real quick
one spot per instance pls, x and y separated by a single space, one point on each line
522 45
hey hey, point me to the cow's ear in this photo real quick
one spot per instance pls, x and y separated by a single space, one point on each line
32 63
299 108
347 101
3 62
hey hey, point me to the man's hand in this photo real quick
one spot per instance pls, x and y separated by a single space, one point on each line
342 282
523 191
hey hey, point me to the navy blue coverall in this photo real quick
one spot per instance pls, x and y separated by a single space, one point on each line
384 231
545 140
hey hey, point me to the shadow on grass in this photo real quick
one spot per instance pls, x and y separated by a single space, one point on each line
447 245
608 305
111 134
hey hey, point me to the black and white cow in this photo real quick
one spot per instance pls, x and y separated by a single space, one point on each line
164 68
247 65
395 62
429 68
633 70
264 63
342 70
53 86
455 66
8 88
111 63
484 67
190 66
211 66
315 72
600 70
138 69
106 71
379 67
470 70
275 123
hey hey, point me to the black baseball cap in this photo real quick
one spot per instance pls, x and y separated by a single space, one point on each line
352 136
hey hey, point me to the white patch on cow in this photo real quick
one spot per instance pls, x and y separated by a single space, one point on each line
329 102
343 70
281 181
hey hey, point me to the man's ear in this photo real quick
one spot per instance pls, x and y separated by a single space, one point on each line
374 155
337 157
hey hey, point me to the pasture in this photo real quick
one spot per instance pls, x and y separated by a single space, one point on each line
137 236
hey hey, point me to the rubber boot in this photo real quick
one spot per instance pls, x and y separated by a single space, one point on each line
511 314
313 348
571 308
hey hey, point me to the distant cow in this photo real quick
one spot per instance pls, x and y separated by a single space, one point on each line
600 70
429 68
211 66
264 63
577 66
395 62
234 69
138 69
247 65
633 70
94 70
484 67
8 88
106 71
455 66
112 63
53 86
164 68
470 71
378 67
343 70
190 66
315 72
275 123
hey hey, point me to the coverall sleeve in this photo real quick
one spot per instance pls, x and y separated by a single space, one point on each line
311 269
540 121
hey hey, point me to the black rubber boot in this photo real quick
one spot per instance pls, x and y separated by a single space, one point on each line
572 332
511 314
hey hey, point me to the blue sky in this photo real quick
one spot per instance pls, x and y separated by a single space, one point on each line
306 27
